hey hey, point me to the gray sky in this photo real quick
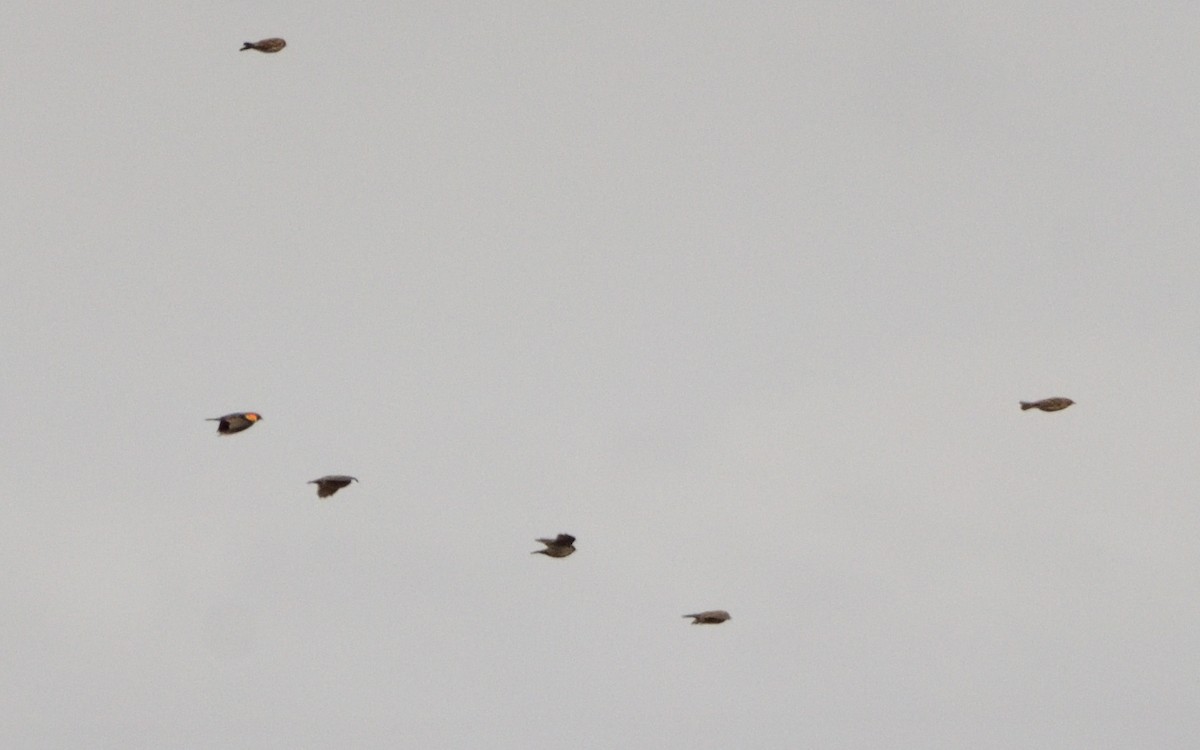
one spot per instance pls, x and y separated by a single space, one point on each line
742 296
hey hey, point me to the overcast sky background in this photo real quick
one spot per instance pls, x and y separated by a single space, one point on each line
743 296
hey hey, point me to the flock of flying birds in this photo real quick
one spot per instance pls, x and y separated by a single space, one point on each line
562 545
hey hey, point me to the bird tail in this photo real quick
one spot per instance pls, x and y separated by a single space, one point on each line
1026 405
212 419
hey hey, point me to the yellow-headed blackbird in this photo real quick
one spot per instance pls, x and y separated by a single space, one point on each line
231 423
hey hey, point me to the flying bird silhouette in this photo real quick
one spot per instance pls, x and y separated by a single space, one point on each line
710 617
1058 403
328 485
273 44
236 422
560 546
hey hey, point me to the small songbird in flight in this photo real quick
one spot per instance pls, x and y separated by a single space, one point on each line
236 422
560 546
711 617
328 485
265 45
1058 403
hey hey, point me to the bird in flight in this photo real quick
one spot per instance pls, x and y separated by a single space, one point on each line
265 45
560 546
328 485
236 422
1058 403
710 617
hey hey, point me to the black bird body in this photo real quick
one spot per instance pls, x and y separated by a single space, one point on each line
560 546
710 617
1057 403
330 484
271 45
236 422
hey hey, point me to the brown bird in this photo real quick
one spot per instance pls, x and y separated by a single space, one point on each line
560 546
1058 403
236 422
711 617
265 45
328 485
